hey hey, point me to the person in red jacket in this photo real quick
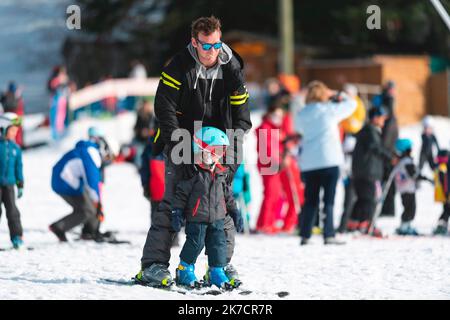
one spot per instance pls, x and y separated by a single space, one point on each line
269 148
279 171
290 174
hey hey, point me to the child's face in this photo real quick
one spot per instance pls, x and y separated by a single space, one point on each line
428 130
213 155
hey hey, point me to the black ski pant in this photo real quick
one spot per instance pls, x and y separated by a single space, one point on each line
426 157
8 199
365 200
315 180
160 235
446 212
210 234
409 206
84 212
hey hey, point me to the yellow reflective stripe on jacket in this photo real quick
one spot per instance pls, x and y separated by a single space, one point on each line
157 135
235 102
239 97
170 84
165 75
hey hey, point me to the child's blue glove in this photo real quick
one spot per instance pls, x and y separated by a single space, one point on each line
19 193
237 219
177 219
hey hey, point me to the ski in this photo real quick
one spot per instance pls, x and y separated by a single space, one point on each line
109 241
202 291
172 288
15 249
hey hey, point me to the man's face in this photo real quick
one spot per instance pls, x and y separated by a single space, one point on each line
207 57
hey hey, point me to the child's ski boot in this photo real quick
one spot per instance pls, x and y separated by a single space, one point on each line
17 242
185 276
218 277
232 275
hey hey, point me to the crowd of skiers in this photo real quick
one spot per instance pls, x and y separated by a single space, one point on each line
338 137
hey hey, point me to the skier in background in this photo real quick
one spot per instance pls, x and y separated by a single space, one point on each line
369 156
58 88
430 146
143 128
11 175
406 177
76 177
12 101
442 190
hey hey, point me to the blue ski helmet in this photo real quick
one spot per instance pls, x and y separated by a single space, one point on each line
208 137
402 145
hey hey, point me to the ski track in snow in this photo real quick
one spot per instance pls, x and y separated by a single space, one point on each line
397 268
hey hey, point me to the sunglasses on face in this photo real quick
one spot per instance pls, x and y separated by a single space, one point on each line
208 46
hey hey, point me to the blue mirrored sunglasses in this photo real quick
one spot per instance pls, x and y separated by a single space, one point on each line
208 46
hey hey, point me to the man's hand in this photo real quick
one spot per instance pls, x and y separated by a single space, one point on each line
177 219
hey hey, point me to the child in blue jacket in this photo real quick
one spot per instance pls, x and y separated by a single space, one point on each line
11 175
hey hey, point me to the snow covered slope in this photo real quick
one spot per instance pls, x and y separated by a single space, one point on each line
400 268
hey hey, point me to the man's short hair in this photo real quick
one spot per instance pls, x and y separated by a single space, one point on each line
206 25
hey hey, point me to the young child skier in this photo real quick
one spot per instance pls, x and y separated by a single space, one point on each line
203 201
10 175
442 190
406 177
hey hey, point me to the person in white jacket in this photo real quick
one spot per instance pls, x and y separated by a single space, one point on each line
322 153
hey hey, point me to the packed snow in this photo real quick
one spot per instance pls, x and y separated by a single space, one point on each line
394 268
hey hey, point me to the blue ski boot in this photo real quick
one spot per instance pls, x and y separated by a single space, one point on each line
17 242
185 276
218 278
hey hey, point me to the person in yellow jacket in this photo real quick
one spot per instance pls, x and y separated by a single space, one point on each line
355 122
442 191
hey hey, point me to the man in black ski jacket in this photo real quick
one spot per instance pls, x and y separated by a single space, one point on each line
368 161
204 82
